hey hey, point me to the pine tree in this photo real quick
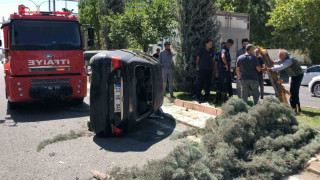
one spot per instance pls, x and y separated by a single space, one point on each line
197 22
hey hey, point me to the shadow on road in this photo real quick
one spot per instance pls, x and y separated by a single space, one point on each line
142 137
38 111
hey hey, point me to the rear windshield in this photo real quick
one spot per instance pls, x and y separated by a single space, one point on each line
49 35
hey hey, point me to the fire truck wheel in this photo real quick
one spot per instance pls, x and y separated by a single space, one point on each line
78 101
13 105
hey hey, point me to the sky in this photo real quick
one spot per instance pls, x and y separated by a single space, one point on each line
8 7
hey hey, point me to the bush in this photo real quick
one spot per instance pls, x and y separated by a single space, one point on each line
263 142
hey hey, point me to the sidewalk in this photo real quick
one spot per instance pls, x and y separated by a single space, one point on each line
188 113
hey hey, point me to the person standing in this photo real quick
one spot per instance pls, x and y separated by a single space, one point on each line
216 64
291 64
261 73
224 70
156 55
205 67
241 51
247 71
165 59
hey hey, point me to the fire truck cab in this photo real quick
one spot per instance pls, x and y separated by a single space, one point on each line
44 57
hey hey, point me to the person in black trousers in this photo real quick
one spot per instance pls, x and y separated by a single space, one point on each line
205 67
224 71
216 65
294 70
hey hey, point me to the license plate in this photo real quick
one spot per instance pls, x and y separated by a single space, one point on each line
117 98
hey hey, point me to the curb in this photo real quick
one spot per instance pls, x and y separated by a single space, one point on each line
196 107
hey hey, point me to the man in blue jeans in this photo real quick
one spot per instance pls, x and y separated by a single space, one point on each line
247 71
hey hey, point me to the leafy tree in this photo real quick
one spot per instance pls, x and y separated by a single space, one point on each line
88 14
143 22
258 10
196 23
297 25
108 9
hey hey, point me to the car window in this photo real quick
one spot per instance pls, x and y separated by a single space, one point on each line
314 69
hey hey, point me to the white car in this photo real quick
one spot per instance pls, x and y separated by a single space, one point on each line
314 86
309 73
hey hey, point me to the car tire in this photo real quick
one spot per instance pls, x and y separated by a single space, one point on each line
316 89
268 82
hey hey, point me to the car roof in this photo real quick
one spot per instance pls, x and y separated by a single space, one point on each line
314 66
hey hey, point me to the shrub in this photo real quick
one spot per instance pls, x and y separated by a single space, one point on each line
263 142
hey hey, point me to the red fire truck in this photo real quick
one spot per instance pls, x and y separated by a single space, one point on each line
44 56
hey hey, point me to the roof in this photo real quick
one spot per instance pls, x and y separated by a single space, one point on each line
43 17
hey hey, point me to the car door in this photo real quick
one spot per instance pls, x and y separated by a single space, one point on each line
309 74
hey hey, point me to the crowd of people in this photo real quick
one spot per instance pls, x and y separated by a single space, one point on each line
250 70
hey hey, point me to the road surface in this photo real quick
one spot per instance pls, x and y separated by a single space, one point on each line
23 129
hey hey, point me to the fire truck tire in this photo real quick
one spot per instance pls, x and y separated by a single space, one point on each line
13 105
78 101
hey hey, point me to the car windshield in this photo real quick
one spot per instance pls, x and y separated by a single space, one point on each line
50 35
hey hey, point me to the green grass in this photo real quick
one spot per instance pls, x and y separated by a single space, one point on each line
310 116
59 138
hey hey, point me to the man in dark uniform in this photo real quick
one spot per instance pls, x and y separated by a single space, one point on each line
224 70
205 67
216 64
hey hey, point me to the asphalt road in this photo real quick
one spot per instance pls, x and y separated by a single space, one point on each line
22 130
306 98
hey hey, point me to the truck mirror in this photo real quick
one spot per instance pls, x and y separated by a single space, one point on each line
91 43
0 43
91 33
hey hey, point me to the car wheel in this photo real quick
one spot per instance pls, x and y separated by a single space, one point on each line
268 82
316 89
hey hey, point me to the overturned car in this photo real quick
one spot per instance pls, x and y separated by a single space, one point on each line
126 87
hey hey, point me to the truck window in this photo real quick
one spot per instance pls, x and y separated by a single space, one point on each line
45 35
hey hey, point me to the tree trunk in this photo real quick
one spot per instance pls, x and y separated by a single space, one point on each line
99 42
107 39
280 91
145 48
